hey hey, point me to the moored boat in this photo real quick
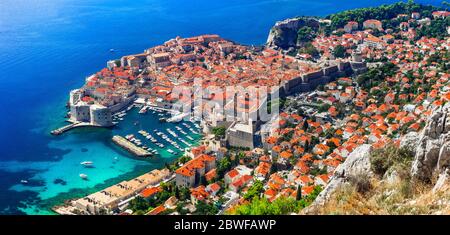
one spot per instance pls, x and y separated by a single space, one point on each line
83 176
87 163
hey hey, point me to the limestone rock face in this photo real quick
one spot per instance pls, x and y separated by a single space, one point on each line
431 148
284 33
426 157
444 179
409 141
432 154
444 157
356 164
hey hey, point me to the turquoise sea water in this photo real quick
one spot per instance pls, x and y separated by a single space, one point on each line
48 47
92 144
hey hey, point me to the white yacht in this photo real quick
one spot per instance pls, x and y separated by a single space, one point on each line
143 110
171 132
83 176
87 163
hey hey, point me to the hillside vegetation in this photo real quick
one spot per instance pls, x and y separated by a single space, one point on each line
389 191
383 13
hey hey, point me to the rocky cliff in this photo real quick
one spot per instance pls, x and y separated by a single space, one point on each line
417 186
284 34
432 151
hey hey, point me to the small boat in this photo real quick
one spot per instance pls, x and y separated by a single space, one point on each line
83 176
193 131
24 181
185 142
143 110
87 163
171 132
170 151
112 50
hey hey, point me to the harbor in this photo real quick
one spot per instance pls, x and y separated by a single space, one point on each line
141 135
99 164
172 137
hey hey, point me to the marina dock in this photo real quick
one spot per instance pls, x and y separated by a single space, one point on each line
130 147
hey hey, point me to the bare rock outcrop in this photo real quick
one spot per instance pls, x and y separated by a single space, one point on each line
432 154
284 33
431 149
357 164
409 141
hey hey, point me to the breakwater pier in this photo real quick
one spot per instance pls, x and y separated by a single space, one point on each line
130 147
70 126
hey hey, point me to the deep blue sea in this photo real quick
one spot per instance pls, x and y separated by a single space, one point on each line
48 47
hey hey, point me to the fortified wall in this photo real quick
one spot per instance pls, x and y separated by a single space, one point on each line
310 81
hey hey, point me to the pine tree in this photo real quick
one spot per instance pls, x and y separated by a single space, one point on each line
273 168
177 193
299 193
305 125
306 146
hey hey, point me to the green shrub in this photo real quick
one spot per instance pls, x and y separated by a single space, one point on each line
280 206
219 131
361 182
385 158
